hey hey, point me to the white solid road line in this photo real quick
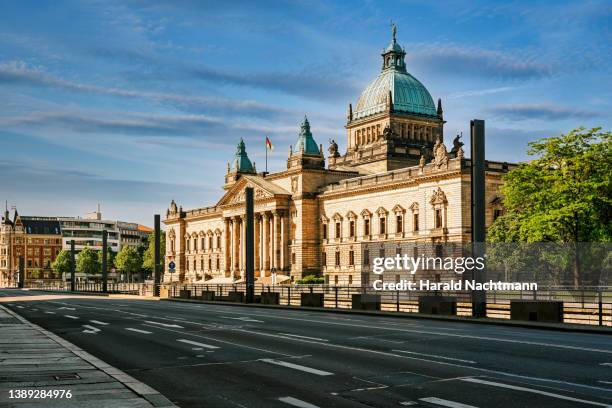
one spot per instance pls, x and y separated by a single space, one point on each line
302 337
445 403
66 308
165 324
297 403
21 307
533 391
50 312
99 322
435 356
296 366
195 343
138 330
71 317
245 319
606 364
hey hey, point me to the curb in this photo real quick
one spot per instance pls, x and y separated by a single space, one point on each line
566 327
139 388
81 293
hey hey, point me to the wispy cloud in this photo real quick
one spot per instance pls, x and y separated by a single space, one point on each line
19 73
480 92
454 60
542 111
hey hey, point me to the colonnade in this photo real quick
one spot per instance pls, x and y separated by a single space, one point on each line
271 232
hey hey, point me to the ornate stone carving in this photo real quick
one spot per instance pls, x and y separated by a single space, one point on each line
440 154
438 197
294 184
457 145
333 148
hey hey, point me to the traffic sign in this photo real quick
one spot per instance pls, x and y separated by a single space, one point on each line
171 266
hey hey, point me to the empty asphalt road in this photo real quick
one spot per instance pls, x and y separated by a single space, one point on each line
202 355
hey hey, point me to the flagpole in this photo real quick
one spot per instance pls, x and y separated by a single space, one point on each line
266 159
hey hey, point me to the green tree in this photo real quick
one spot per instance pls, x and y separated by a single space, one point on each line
149 255
128 261
564 195
110 258
88 261
62 262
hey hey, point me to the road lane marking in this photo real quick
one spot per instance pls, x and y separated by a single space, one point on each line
533 391
467 336
408 403
445 403
21 307
302 337
71 317
604 382
99 322
389 354
296 367
606 364
66 308
90 329
195 343
138 330
297 403
50 312
165 324
435 356
245 319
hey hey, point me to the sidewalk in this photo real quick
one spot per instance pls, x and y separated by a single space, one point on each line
36 360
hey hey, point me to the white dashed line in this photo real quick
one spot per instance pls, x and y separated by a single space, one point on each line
99 322
445 403
296 367
50 312
533 391
195 343
302 337
296 402
138 330
434 356
71 317
165 324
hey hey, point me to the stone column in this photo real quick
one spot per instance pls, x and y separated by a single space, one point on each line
234 244
266 243
256 243
283 241
242 245
227 249
275 240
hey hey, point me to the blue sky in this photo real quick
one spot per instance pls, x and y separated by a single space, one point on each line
133 103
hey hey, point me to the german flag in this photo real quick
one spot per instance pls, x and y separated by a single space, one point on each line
269 144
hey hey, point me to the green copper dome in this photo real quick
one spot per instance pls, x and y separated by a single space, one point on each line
407 93
306 140
242 164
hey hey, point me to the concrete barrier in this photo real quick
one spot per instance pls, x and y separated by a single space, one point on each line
184 294
270 298
438 305
537 311
311 299
364 301
236 297
208 295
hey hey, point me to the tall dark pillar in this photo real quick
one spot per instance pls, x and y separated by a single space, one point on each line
477 127
157 255
104 258
72 267
250 246
22 274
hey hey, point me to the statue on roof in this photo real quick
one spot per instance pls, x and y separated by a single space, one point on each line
333 148
393 30
457 144
440 154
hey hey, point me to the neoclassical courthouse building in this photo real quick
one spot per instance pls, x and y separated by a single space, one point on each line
396 186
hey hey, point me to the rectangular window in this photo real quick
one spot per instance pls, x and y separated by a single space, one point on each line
366 227
496 213
397 278
383 225
327 279
218 241
351 258
293 258
350 279
195 244
324 258
338 230
366 257
438 218
210 242
324 230
399 220
335 279
201 264
209 264
337 258
381 252
218 265
202 243
415 221
351 228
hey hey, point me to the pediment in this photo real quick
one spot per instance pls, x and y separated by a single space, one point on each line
262 190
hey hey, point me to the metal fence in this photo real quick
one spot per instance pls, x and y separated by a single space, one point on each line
90 287
588 305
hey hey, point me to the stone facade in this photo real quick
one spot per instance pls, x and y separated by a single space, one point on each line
396 186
